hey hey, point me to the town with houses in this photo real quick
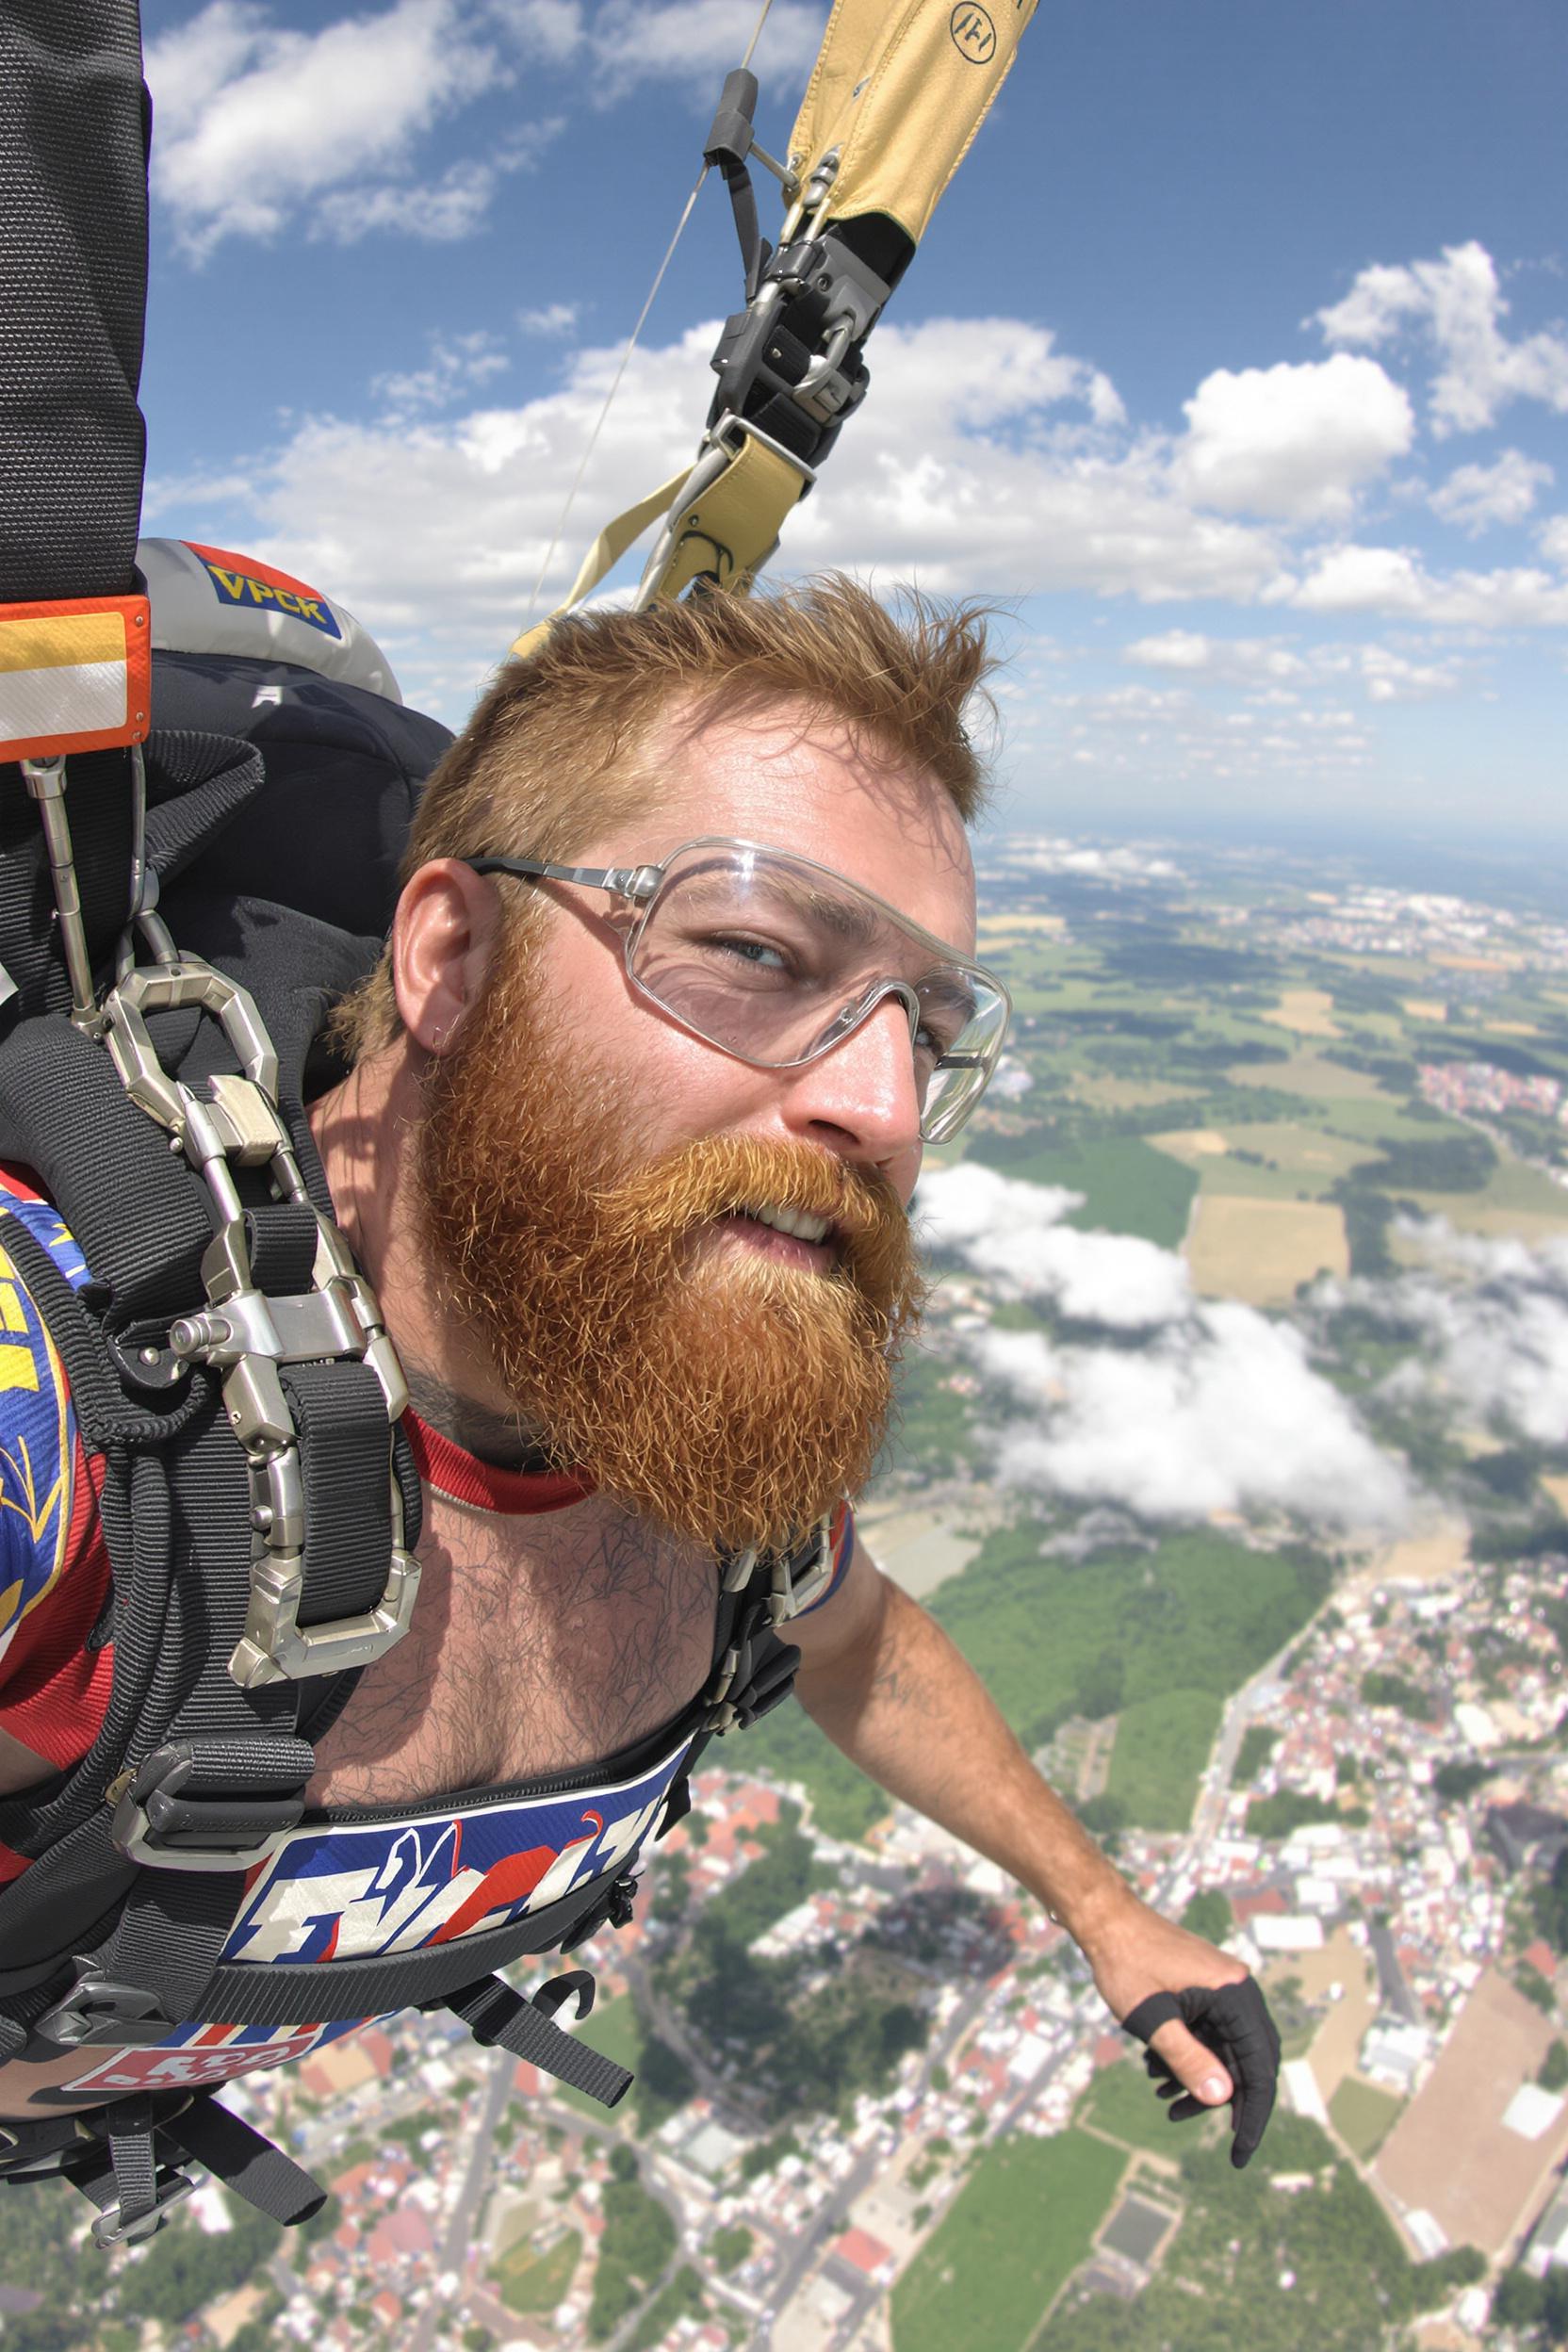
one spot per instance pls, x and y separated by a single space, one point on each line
1416 1997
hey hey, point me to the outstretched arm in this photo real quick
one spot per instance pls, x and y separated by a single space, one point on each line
888 1686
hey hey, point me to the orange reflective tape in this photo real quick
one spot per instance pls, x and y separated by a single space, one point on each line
74 675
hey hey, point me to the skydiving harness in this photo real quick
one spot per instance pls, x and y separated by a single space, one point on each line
895 98
252 1580
227 1361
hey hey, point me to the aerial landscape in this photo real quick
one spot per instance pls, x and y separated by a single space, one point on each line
1232 1455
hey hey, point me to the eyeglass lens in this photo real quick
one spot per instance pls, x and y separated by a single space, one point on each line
772 959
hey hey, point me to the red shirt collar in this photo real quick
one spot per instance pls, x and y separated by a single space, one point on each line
464 1478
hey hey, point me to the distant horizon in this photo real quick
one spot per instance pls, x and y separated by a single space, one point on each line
1530 868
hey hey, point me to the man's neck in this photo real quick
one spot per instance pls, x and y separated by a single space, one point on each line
494 1437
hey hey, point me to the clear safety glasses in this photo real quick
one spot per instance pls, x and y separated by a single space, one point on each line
778 959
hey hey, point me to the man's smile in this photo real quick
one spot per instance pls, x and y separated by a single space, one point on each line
787 1237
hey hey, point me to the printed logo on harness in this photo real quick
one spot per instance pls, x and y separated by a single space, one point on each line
358 1891
198 2056
241 580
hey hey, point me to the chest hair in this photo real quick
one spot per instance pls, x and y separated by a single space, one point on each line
539 1644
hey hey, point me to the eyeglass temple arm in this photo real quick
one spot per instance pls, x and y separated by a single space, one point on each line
635 882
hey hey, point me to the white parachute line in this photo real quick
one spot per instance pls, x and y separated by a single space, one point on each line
631 346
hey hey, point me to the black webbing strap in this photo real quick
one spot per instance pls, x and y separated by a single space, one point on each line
141 1225
129 2124
245 2161
497 2017
72 295
345 1452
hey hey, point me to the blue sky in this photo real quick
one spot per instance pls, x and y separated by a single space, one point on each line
1234 360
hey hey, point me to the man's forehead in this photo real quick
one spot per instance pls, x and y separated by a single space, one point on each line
792 778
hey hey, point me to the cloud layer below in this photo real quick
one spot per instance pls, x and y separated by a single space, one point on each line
1215 1408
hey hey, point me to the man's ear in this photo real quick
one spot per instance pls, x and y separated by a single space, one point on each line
444 934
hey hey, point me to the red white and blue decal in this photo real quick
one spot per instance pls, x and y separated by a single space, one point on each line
356 1891
197 2056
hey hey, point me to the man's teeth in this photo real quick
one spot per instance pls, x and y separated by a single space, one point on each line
800 1222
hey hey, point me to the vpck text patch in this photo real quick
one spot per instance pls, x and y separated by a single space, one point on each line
241 580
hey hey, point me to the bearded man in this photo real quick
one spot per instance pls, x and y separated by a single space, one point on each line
681 980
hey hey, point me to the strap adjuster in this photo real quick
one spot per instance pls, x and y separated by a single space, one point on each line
158 1826
98 2010
171 2188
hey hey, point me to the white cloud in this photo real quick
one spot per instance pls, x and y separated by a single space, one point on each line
959 481
1475 496
1391 677
1493 1320
1176 650
257 121
1012 1232
1216 1409
1393 580
1233 659
456 363
1296 442
1458 303
1554 540
696 42
554 319
1043 853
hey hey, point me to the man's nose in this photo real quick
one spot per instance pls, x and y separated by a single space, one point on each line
863 1089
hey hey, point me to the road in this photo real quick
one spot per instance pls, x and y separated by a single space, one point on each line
466 2211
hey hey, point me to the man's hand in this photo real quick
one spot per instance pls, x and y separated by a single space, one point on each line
1209 2032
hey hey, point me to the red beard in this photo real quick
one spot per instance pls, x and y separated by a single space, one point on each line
731 1399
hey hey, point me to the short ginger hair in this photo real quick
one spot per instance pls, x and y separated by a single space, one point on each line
557 747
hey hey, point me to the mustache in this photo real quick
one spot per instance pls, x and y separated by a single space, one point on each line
728 1175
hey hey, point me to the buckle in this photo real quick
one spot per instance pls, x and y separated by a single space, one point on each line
168 2189
164 1830
97 2010
244 1335
793 1591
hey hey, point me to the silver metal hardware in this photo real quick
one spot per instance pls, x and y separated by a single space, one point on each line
827 363
45 782
108 2230
242 1333
794 1593
246 1336
738 1574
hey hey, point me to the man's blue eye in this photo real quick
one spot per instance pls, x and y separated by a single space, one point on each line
760 953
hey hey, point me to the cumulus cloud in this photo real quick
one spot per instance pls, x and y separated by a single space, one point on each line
1392 676
1013 1233
1353 579
1296 442
1217 1408
698 41
1457 303
456 363
1475 496
1492 1316
961 480
261 126
257 121
1048 853
1267 659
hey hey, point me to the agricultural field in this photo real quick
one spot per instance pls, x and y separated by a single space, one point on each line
1018 2229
